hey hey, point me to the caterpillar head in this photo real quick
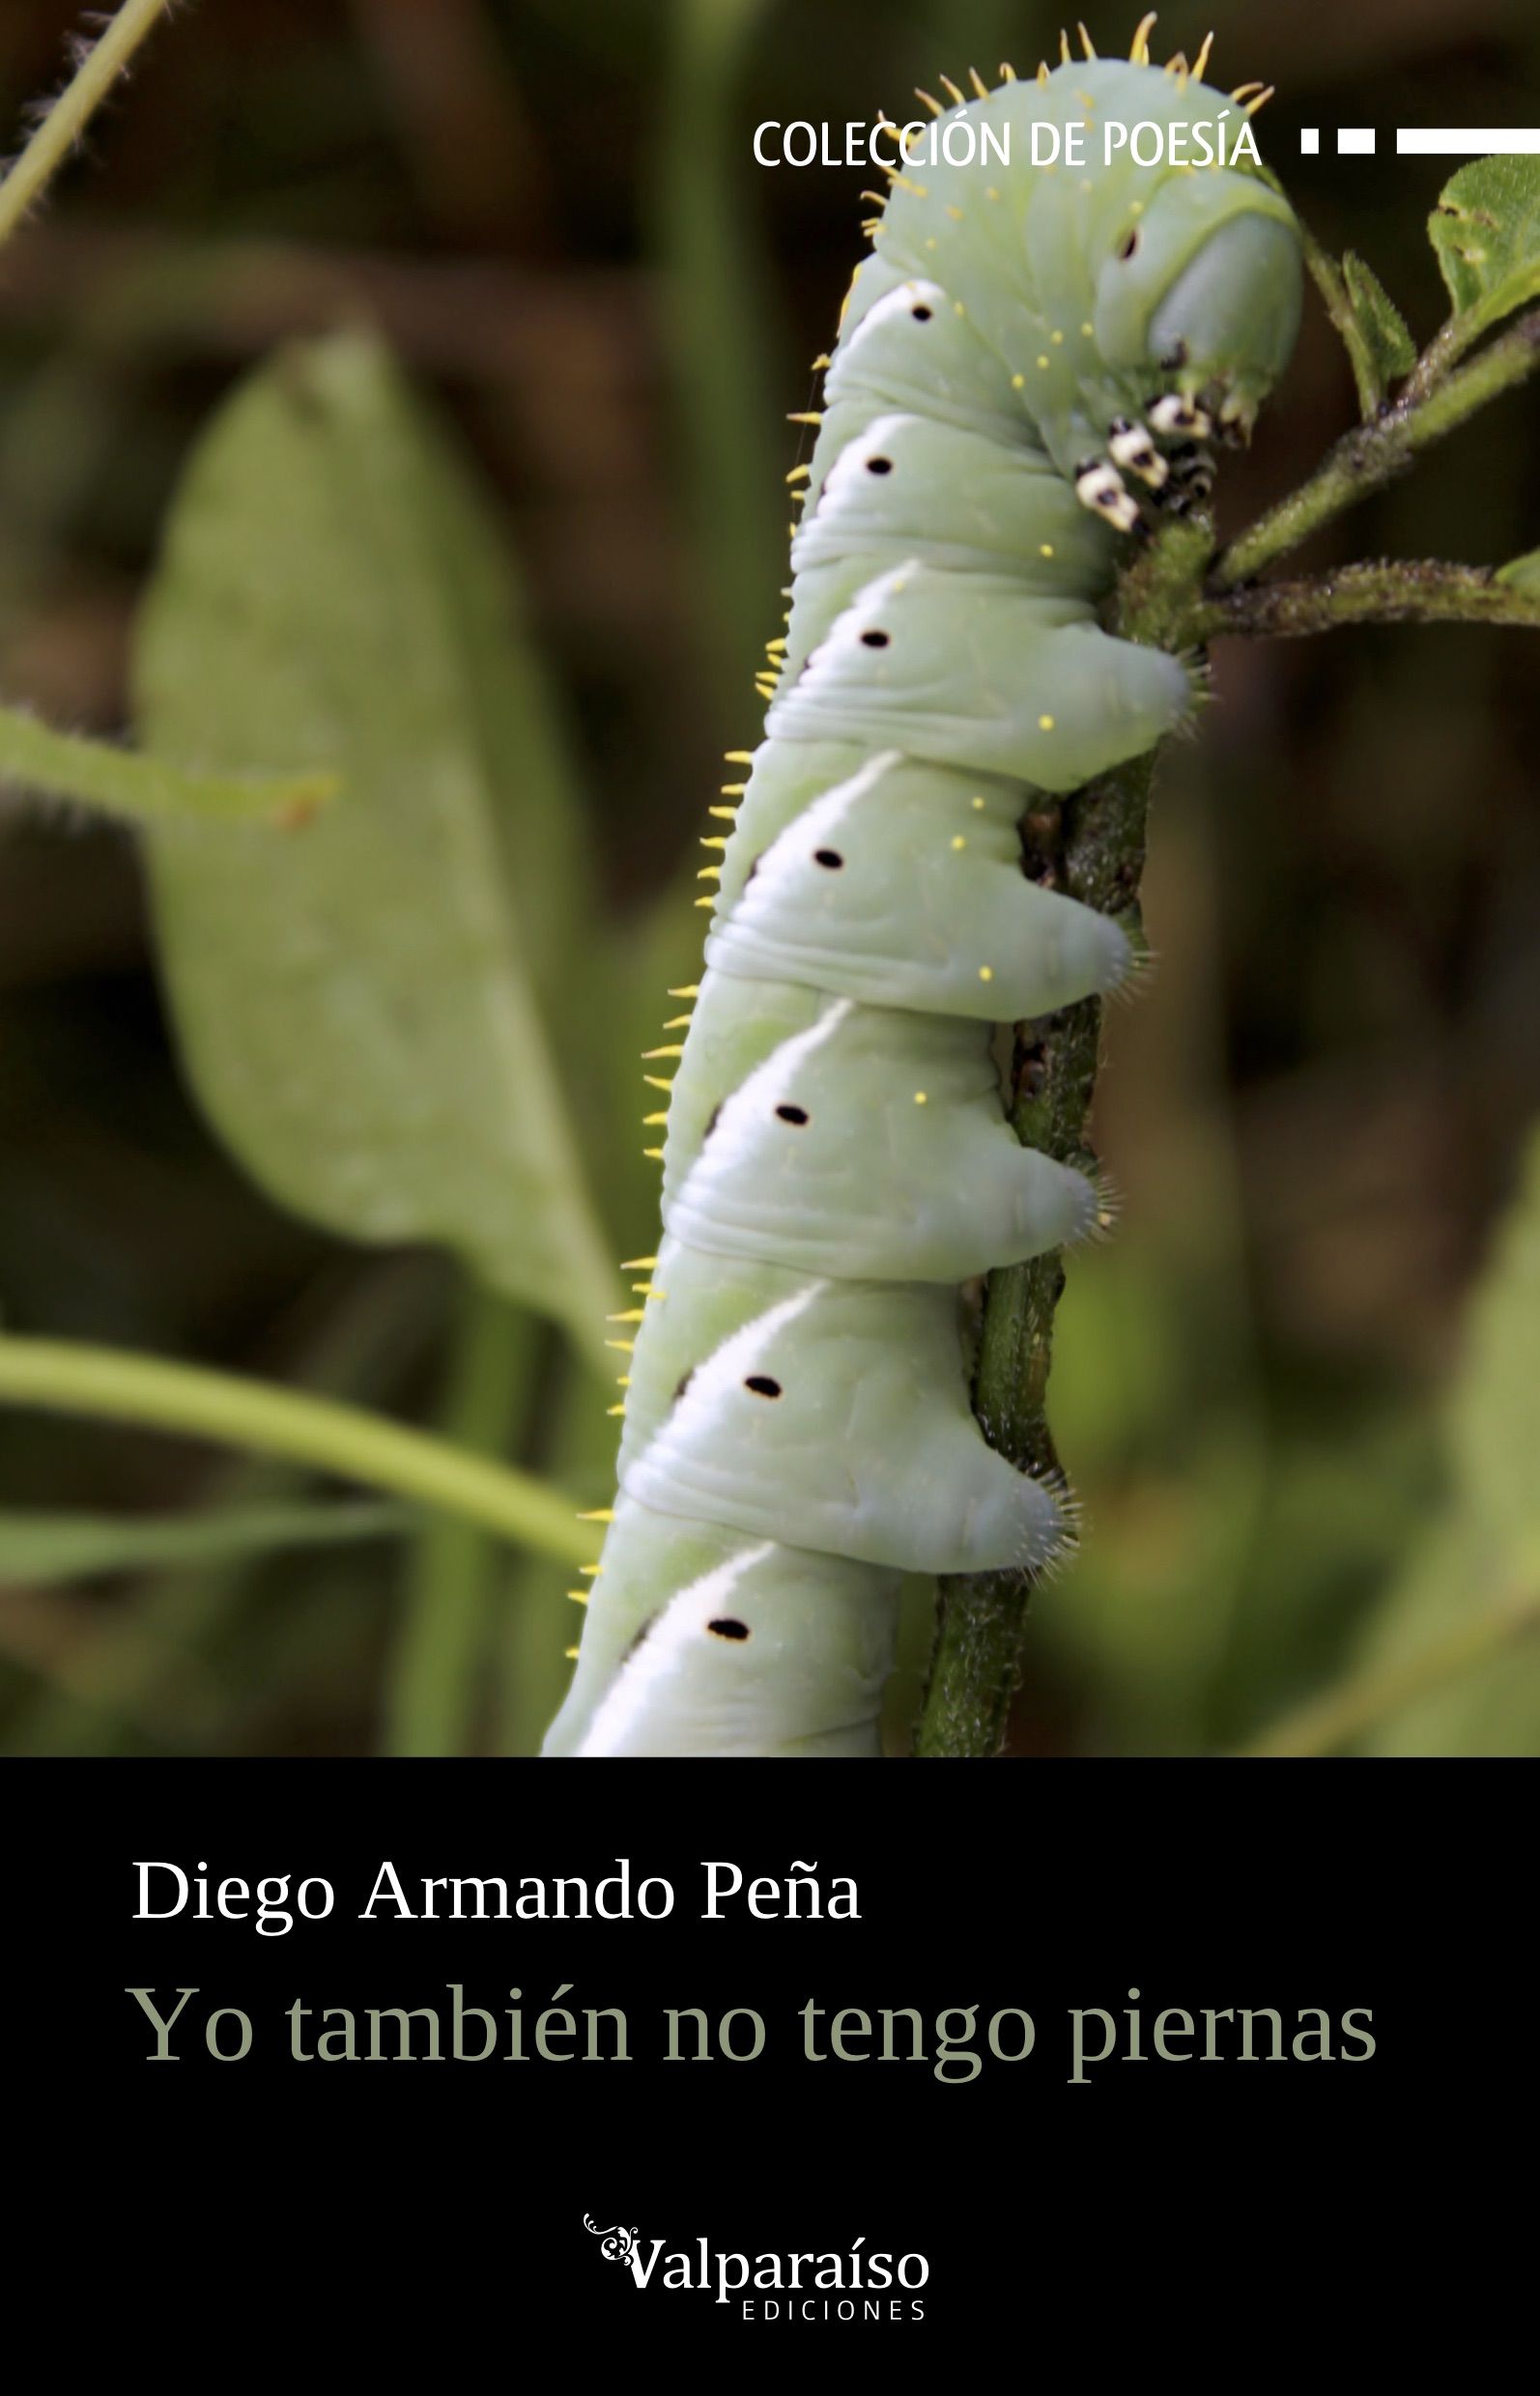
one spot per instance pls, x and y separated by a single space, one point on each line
1200 294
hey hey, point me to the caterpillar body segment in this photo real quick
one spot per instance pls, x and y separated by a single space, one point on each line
669 1680
925 906
971 670
822 1156
1028 364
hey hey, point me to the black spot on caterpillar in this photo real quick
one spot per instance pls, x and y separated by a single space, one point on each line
1025 369
640 1634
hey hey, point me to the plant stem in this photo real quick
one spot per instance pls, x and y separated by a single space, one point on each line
160 1661
430 1690
1091 845
976 1661
1373 454
1383 591
71 113
720 335
143 789
71 1377
1449 344
1325 1724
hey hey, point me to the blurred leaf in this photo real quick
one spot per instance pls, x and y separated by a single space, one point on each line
1495 1420
1170 1482
533 798
1452 1666
1377 334
1523 573
1344 1510
41 1548
354 1001
65 765
1485 232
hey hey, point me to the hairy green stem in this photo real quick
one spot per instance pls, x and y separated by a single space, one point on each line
1373 454
1412 590
1447 346
145 789
71 113
1091 846
71 1377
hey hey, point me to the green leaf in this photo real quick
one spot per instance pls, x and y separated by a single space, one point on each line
1475 1585
1486 232
39 1548
1521 573
1492 1418
1466 1649
355 1000
1382 348
65 765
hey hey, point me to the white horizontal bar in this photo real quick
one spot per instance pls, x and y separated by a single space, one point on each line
1355 141
1467 141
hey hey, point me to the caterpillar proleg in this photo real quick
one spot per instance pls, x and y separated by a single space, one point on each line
1029 365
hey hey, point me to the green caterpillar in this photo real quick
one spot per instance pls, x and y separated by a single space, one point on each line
1029 361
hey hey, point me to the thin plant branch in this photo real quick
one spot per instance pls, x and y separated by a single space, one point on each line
70 1378
145 789
76 104
1091 844
1373 454
1412 590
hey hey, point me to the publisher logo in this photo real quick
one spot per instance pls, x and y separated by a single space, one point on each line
859 2284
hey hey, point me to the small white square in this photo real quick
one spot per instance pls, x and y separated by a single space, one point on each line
1355 141
1309 141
